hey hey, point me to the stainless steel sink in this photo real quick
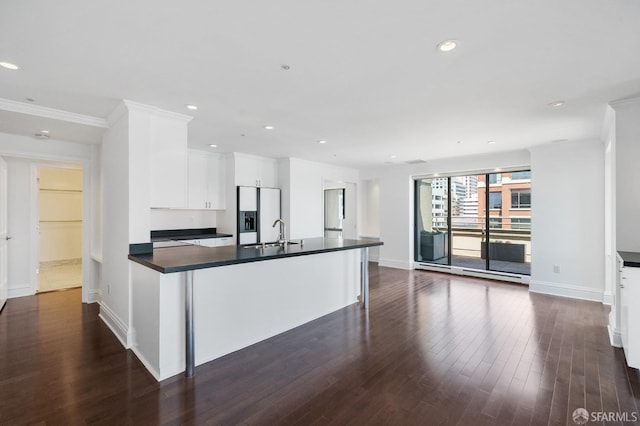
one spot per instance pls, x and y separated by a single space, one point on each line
268 245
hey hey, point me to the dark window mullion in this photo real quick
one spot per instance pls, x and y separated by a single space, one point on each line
486 220
449 227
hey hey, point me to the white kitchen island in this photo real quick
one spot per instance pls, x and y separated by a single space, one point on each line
240 296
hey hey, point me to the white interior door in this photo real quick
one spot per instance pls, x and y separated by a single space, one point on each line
4 237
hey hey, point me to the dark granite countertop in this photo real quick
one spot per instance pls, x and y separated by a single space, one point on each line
630 258
186 234
190 257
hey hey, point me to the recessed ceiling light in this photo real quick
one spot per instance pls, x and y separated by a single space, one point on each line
212 145
447 45
556 104
393 156
268 127
9 66
322 142
491 142
46 132
191 107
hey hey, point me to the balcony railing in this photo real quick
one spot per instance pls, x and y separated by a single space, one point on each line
510 242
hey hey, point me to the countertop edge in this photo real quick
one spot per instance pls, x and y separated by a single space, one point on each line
215 264
630 258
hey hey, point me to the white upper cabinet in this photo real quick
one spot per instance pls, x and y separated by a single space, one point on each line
206 182
168 162
256 171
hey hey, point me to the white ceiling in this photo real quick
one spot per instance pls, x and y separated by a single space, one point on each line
365 76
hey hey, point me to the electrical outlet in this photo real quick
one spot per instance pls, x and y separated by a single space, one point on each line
556 269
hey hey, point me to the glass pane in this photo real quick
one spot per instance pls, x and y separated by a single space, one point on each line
495 200
432 219
466 225
510 227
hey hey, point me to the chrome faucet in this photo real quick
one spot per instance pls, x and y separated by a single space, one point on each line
281 233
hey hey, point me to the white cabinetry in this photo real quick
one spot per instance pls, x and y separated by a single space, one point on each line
168 162
206 183
630 314
256 171
211 242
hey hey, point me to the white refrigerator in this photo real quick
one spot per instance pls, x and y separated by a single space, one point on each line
265 204
268 212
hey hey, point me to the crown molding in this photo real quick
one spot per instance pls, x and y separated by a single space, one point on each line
54 114
625 102
136 106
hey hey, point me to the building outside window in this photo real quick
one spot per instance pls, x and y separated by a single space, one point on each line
521 175
520 198
495 200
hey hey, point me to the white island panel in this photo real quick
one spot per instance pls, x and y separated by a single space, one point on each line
238 305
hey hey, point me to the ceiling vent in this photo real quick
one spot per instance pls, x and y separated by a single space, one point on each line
415 161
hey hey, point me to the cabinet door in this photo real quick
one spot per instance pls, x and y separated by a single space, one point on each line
208 242
224 241
216 182
268 173
168 162
256 171
630 315
198 190
206 181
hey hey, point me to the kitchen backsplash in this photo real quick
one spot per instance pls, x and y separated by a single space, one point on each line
182 219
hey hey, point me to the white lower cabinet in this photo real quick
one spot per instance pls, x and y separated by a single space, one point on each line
630 314
224 241
211 242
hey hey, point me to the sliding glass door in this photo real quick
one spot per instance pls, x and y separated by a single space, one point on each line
484 219
432 220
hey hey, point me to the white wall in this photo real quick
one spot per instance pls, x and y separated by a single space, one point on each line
567 219
302 184
396 197
369 210
125 156
627 153
114 304
19 205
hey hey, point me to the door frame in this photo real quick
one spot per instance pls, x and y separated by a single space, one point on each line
4 234
90 289
34 220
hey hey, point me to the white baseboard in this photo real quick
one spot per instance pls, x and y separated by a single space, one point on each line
146 363
614 336
115 324
492 275
566 290
607 298
397 264
93 296
20 291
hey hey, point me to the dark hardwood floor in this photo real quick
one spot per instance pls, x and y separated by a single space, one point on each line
434 349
